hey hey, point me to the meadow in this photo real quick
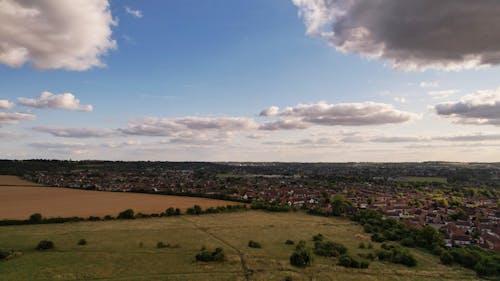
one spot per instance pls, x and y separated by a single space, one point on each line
126 250
19 199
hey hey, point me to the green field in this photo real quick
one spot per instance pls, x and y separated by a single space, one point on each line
114 250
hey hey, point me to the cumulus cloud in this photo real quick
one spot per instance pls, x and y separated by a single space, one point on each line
71 35
134 13
76 132
5 104
444 34
270 111
51 101
481 108
11 118
343 114
184 126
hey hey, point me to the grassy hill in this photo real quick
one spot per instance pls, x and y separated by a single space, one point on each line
126 250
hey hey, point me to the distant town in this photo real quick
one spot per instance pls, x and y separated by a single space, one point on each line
461 200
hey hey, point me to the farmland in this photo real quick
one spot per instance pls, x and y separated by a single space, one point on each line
19 199
126 250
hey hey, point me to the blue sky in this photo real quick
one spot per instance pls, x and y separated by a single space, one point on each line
202 72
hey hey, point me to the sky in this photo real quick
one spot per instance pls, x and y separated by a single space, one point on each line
260 80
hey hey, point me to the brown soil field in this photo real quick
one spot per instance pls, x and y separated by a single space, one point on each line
15 181
20 201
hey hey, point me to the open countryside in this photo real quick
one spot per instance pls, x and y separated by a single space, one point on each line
19 199
126 250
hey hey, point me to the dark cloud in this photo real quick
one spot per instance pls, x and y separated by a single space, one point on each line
449 34
481 108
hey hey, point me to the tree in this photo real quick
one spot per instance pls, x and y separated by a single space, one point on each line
170 212
301 258
45 245
35 218
126 215
446 258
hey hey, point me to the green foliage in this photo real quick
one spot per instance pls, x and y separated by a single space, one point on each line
206 256
301 258
329 249
348 261
361 245
446 258
126 215
289 242
483 262
272 207
45 245
396 255
318 237
35 218
82 242
253 244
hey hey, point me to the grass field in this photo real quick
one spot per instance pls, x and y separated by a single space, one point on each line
114 250
19 199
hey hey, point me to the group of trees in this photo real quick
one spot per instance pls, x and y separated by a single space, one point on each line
393 230
483 262
301 257
396 254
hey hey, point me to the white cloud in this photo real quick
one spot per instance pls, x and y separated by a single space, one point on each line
343 114
76 132
442 93
5 104
185 126
71 35
51 101
10 118
411 35
270 111
480 108
283 124
429 84
134 13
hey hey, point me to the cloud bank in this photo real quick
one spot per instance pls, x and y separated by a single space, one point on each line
76 132
481 108
302 116
411 35
71 35
48 100
11 118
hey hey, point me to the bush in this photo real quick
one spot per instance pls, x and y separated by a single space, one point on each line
329 249
108 217
446 258
93 218
318 237
362 245
289 242
170 212
82 242
35 218
396 255
45 245
126 215
207 256
301 258
348 261
253 244
160 245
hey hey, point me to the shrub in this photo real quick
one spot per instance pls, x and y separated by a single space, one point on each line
253 244
93 218
126 215
207 256
35 218
170 212
361 245
289 242
300 245
329 249
348 261
5 254
108 217
301 258
318 237
45 245
370 246
160 245
177 211
396 255
288 278
446 258
82 242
